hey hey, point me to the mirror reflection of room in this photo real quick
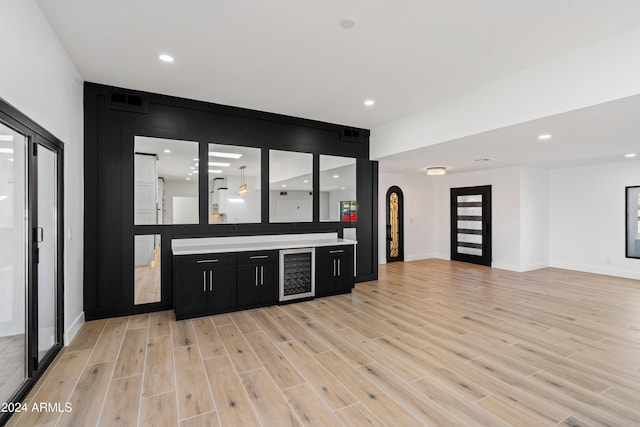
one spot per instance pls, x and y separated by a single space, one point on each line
234 184
147 269
290 186
166 181
338 189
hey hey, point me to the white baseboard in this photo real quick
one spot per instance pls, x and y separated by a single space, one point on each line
73 330
597 270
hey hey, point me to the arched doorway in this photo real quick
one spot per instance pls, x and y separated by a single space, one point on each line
395 224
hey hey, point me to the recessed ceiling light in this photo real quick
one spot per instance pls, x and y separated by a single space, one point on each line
166 58
336 176
195 171
630 155
167 151
284 185
188 179
343 188
6 138
6 150
3 197
224 155
306 181
347 23
219 164
11 160
215 171
544 136
190 173
192 167
233 200
369 102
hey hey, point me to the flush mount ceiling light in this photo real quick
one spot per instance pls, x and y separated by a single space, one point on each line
224 155
219 164
369 102
544 136
167 151
347 23
165 58
437 170
336 176
630 155
243 187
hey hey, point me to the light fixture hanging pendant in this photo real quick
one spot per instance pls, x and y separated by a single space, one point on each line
243 186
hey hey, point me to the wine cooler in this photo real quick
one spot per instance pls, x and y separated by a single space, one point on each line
297 274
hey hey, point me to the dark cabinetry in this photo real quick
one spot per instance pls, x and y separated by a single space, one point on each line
334 270
257 278
204 284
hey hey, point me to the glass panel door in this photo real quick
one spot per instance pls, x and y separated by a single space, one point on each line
13 261
471 224
47 238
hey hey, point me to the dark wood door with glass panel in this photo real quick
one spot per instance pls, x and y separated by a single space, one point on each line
471 224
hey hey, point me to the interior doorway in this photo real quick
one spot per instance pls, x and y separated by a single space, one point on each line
471 224
395 224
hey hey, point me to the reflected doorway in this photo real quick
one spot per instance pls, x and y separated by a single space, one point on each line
395 224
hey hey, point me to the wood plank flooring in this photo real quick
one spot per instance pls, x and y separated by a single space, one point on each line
431 342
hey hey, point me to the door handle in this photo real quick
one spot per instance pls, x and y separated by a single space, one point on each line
338 266
207 261
259 257
262 275
334 267
204 281
211 280
337 251
256 275
39 234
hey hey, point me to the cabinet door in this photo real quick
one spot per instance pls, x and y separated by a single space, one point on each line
191 290
344 274
249 287
325 270
223 288
269 280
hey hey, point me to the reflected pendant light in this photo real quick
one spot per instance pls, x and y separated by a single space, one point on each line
243 186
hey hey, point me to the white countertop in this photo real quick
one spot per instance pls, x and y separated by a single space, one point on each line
210 245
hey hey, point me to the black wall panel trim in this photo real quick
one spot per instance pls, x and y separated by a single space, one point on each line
114 116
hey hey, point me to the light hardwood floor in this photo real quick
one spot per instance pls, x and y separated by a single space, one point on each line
431 343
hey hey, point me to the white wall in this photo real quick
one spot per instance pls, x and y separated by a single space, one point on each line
534 218
419 215
601 71
38 78
587 218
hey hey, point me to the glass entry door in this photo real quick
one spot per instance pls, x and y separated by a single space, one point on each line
13 261
46 248
471 224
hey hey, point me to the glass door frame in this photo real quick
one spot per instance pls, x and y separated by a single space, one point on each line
36 136
486 257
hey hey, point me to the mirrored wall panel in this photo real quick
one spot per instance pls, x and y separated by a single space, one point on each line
633 222
234 184
290 186
147 269
166 181
338 189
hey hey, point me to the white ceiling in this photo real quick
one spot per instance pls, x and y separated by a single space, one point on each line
292 57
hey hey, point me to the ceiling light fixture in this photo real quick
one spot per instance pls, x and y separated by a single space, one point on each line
6 138
284 185
544 136
336 176
215 171
437 170
306 181
369 102
630 155
232 200
165 58
6 150
243 187
219 164
224 155
167 151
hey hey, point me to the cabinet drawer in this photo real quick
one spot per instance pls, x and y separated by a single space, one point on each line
205 260
333 251
257 257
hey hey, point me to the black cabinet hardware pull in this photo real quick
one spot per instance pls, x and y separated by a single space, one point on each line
338 266
334 267
337 251
262 275
211 280
259 257
204 281
256 275
205 261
